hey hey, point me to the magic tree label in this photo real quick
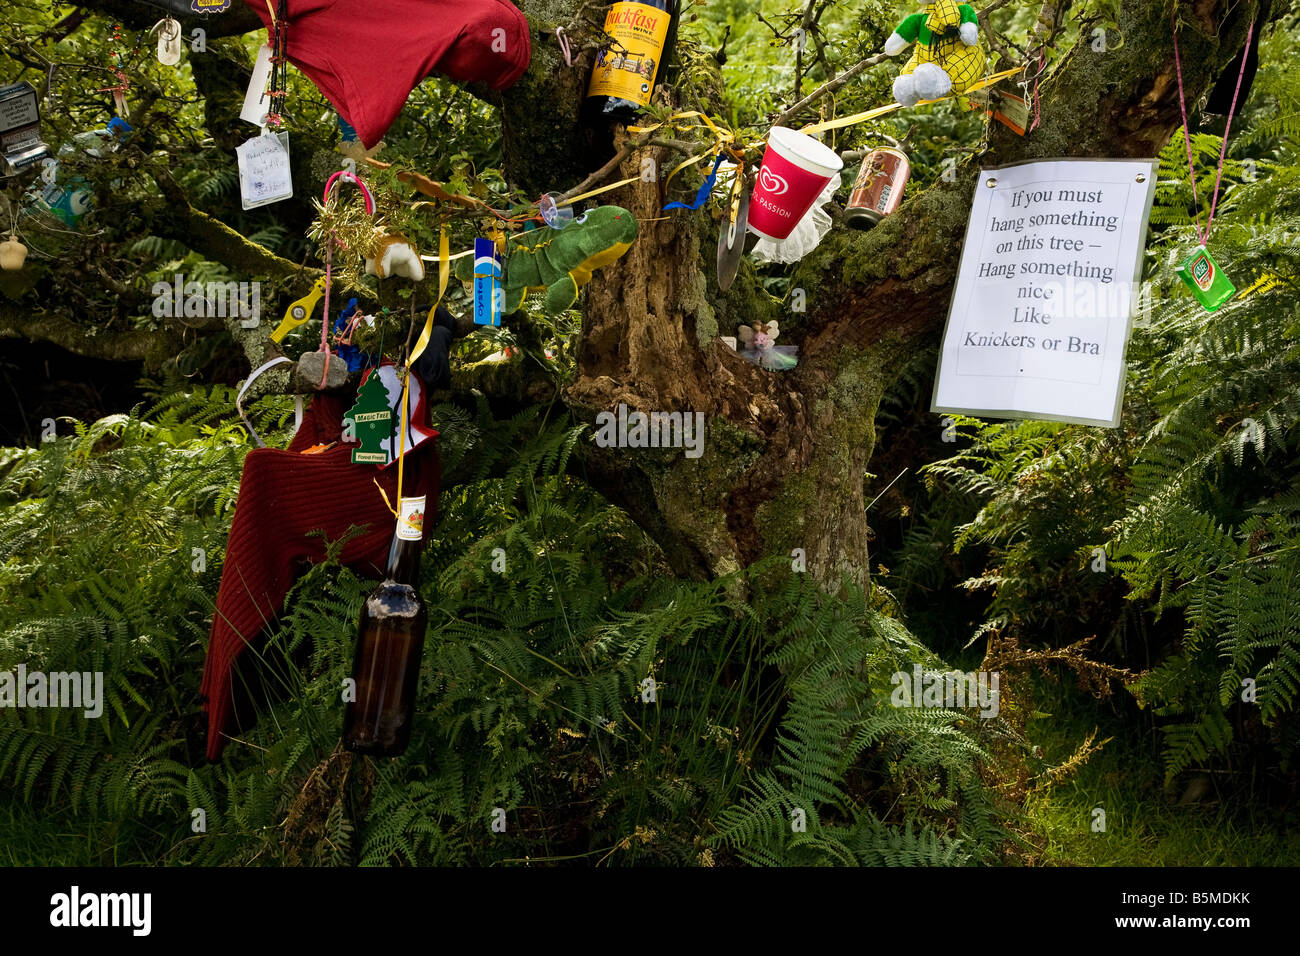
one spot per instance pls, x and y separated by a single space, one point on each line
629 73
1048 283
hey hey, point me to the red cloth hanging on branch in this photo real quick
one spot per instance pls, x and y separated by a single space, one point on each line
283 497
365 58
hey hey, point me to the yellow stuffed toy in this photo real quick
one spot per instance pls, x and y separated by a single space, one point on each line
947 58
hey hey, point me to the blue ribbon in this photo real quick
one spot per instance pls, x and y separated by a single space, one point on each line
701 197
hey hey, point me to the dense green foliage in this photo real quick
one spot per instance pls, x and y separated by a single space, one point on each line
534 697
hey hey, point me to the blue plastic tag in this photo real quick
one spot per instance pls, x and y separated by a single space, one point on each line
489 294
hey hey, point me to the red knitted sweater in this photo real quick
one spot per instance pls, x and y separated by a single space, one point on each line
284 495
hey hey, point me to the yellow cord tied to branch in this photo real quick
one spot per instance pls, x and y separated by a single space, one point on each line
723 137
882 110
444 274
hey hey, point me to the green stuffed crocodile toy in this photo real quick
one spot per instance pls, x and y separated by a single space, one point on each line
559 262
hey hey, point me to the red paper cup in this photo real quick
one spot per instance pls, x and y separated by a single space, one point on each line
795 170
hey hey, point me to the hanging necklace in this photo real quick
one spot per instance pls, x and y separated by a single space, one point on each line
119 72
279 67
1199 271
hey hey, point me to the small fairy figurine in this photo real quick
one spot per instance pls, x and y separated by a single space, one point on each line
760 347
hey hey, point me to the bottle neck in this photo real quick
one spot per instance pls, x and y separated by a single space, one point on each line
404 553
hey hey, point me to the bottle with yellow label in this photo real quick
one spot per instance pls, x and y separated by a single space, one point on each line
625 72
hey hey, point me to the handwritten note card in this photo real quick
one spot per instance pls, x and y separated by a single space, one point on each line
264 173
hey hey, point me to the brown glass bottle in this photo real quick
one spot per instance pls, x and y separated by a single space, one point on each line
623 80
390 640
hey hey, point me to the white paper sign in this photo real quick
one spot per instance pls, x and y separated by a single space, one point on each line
1049 280
256 102
264 172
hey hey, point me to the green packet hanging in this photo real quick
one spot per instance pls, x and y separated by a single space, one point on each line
1206 279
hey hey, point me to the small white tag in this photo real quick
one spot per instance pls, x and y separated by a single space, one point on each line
169 42
264 173
256 102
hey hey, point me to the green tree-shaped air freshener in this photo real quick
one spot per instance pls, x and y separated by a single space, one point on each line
373 417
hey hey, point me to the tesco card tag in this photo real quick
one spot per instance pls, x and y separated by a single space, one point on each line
264 173
256 102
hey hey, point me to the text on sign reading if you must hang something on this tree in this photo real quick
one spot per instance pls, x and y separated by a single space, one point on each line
1045 294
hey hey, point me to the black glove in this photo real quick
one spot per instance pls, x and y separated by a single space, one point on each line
433 365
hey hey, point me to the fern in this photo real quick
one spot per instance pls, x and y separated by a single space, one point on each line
1192 499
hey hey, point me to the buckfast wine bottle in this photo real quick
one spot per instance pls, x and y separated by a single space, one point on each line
623 79
386 666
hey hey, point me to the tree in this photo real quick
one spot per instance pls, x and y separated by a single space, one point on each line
786 453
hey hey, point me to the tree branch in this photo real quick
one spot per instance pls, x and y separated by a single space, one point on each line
604 171
217 241
827 88
151 346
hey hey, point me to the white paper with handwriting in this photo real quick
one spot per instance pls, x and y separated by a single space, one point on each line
264 172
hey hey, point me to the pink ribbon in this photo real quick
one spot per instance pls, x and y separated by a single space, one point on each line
1204 235
349 177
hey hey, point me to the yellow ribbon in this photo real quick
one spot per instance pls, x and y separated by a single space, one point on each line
882 110
722 136
603 189
444 273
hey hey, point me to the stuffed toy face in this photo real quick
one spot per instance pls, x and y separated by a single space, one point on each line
947 58
394 256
